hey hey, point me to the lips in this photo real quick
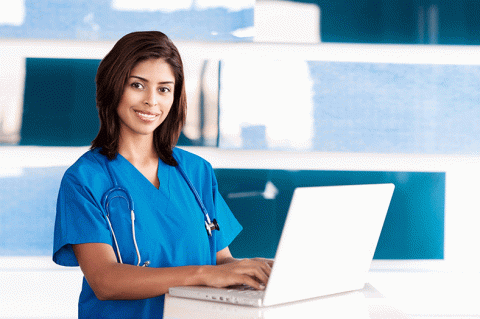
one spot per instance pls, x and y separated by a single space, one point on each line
146 116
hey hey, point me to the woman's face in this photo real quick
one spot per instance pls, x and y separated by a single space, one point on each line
147 98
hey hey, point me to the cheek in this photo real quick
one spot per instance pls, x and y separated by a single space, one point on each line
169 104
123 103
169 109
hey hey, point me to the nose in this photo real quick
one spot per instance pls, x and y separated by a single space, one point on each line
151 99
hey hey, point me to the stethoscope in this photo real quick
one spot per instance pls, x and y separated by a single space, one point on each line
117 190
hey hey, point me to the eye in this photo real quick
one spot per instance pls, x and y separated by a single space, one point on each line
164 89
137 85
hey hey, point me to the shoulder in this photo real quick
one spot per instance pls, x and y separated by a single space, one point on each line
90 164
197 168
188 159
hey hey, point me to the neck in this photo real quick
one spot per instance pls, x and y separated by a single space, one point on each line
137 150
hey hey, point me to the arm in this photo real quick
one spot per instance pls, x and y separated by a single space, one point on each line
224 256
111 280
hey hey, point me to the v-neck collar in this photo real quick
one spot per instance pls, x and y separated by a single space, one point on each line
142 177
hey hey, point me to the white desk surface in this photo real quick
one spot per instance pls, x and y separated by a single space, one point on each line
361 304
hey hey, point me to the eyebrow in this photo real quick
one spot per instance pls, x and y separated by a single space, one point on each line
145 80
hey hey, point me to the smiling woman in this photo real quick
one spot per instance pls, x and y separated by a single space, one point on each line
142 76
147 99
157 213
145 103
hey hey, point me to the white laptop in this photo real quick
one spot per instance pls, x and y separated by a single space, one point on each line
327 245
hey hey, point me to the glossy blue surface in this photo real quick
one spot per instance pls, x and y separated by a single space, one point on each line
97 20
395 108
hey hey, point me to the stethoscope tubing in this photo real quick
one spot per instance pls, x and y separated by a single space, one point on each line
209 226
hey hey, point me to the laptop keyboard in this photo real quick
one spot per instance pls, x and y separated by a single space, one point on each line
247 290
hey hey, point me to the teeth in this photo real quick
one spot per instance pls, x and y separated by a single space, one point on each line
148 116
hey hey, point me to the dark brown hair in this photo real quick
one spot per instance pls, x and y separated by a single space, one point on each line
112 75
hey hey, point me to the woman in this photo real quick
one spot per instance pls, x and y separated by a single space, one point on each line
133 164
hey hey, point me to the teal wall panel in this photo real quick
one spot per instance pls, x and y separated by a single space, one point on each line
413 229
59 106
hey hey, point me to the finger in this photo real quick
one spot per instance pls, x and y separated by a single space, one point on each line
249 281
258 275
266 267
258 270
261 274
269 262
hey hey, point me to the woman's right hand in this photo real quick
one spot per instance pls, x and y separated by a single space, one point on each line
252 272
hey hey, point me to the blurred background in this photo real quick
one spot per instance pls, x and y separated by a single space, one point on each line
281 94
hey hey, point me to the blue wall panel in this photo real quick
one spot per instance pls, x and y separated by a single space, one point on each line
354 107
395 108
27 213
97 20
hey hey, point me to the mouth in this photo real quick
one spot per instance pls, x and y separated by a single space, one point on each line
146 116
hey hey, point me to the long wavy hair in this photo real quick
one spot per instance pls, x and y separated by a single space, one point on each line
112 75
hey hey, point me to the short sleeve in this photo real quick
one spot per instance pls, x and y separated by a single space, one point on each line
79 219
229 226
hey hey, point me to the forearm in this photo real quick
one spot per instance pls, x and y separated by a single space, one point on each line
224 257
128 282
111 280
226 260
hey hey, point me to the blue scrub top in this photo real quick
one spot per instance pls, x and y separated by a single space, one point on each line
169 224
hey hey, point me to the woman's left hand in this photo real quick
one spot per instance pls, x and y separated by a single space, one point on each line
253 272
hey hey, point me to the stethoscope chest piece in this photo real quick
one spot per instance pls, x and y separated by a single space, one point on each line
211 227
